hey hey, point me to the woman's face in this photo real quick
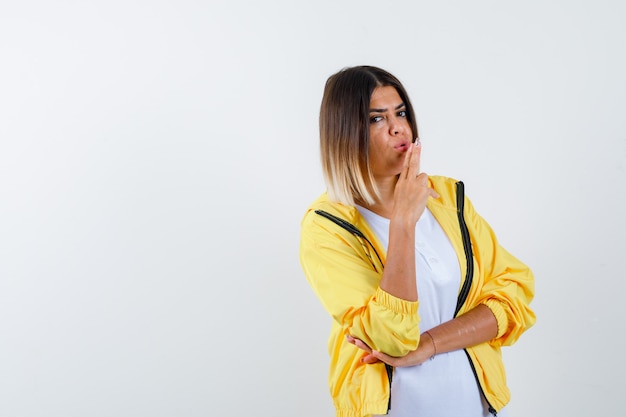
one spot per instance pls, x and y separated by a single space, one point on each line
390 132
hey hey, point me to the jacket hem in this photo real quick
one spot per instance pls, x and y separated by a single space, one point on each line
368 410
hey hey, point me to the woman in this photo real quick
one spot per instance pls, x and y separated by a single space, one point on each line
421 294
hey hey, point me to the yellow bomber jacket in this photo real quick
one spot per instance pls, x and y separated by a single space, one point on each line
344 265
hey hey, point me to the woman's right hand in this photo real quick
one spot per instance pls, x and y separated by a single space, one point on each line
412 190
425 350
410 196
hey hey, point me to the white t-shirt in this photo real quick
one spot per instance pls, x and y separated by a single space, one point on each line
444 386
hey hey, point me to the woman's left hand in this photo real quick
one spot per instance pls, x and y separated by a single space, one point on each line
425 350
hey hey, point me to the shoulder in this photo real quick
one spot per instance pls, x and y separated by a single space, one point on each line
323 203
314 217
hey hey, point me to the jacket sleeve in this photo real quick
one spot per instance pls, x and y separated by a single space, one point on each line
336 265
509 285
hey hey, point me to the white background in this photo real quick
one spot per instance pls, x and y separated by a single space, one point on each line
156 158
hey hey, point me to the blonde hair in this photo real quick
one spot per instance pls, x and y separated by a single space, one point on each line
344 132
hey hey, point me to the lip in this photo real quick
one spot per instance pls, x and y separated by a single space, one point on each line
402 146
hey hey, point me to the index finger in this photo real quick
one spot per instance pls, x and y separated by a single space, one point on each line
414 159
410 159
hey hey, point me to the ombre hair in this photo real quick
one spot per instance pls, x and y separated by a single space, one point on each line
344 132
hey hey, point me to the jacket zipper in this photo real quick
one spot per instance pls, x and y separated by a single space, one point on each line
469 257
467 247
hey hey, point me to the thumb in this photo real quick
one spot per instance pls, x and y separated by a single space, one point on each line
383 357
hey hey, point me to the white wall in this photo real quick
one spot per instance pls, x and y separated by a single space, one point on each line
156 158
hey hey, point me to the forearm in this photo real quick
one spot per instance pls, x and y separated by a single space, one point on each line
399 275
472 328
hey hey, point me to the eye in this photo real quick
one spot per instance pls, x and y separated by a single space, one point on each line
402 113
375 119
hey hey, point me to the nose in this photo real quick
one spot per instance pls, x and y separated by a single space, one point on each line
396 126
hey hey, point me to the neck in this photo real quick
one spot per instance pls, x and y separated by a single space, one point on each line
384 206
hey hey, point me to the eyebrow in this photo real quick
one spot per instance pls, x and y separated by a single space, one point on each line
399 106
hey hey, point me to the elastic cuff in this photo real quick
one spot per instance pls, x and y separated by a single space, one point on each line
499 311
395 304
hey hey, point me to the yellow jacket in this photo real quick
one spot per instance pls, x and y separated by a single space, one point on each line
344 265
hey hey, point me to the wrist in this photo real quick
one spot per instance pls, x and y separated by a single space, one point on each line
433 344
